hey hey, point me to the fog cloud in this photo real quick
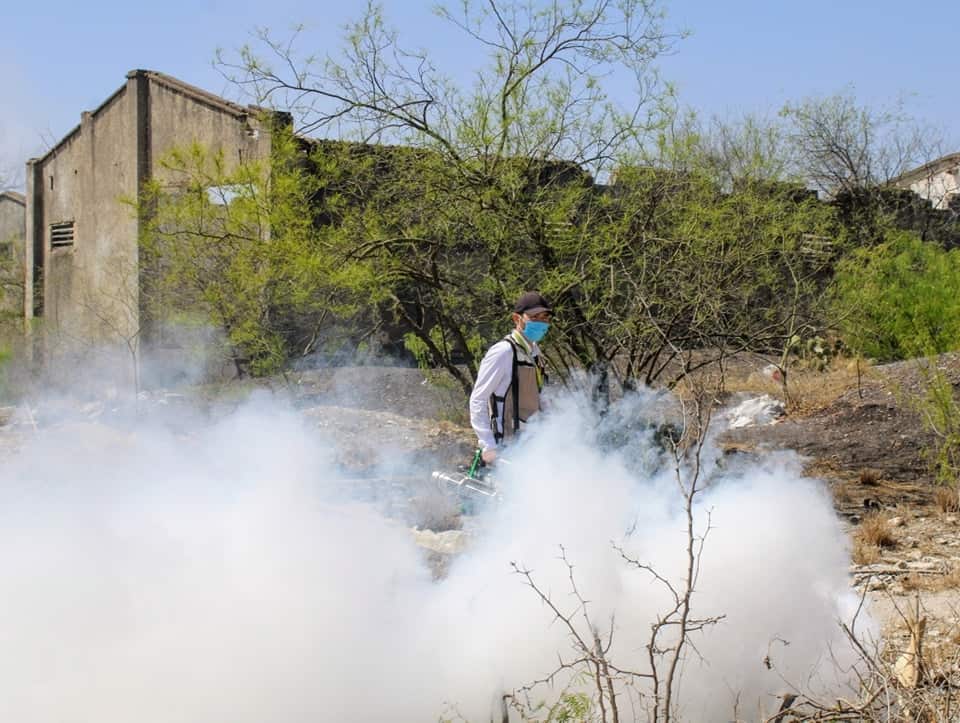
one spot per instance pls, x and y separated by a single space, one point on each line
210 575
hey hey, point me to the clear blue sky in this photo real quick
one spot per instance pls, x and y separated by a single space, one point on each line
60 57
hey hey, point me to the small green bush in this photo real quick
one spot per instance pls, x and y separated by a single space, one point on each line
940 411
899 299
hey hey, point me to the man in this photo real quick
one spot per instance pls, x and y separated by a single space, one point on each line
511 375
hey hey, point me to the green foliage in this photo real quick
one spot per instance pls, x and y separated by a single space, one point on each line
494 190
446 230
237 242
14 368
11 314
571 708
4 365
940 412
11 279
667 263
642 272
899 299
440 254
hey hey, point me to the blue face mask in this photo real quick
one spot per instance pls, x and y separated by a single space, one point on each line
535 330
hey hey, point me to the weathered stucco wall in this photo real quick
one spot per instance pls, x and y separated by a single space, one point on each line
939 188
12 233
89 285
937 181
179 118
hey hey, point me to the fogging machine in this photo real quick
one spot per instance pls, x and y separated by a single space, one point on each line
472 479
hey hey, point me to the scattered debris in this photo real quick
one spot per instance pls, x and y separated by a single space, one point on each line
773 373
756 411
449 542
909 666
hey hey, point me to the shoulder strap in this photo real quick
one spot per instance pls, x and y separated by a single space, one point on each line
515 386
493 404
495 401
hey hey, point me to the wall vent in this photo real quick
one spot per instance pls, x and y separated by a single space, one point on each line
61 234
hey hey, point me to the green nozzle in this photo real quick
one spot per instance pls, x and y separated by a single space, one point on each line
475 465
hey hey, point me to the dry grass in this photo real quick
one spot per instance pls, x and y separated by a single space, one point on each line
875 531
950 581
914 582
869 477
841 493
947 499
864 554
942 661
811 390
808 389
824 468
932 583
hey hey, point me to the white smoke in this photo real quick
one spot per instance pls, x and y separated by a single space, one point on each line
157 576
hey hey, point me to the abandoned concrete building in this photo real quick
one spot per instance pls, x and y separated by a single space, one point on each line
82 231
12 230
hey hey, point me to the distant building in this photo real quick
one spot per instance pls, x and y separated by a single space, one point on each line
81 254
12 230
12 221
937 181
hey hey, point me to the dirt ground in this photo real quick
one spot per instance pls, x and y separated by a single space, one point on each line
845 426
863 435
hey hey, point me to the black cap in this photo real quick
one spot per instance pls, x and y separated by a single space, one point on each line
531 303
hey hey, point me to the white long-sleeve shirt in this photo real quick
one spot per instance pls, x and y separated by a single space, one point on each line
493 377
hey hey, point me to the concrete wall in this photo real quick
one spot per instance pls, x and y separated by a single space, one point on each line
88 294
179 118
89 287
12 233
